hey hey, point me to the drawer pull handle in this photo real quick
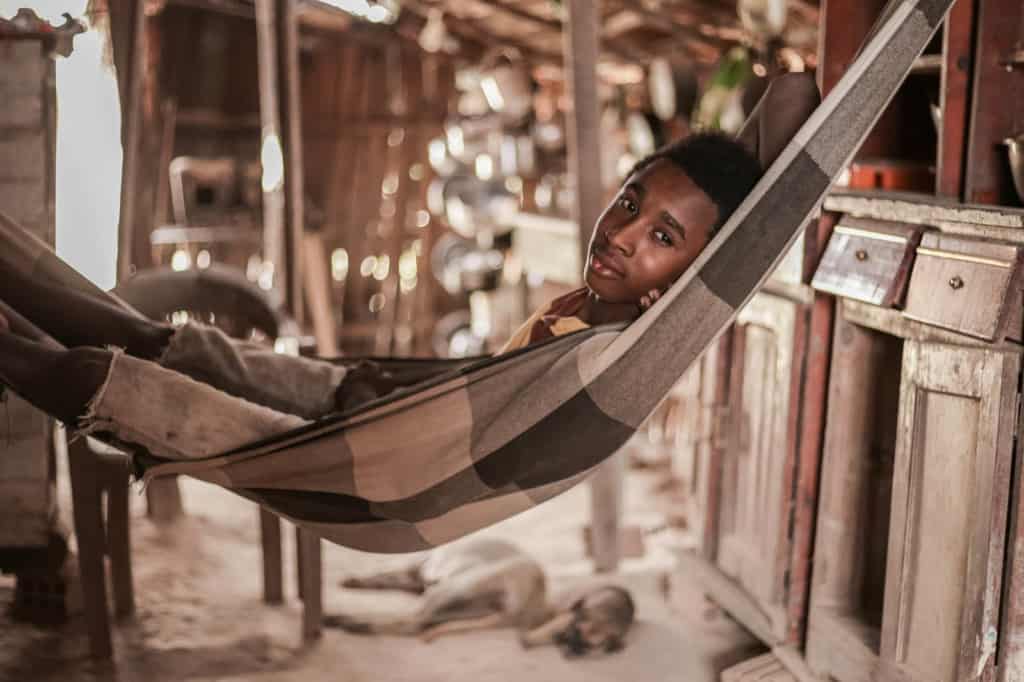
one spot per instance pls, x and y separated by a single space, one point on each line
956 282
861 255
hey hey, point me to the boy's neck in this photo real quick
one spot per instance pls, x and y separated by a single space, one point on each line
595 311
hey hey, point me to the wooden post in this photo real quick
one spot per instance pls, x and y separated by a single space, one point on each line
271 149
580 35
957 43
132 139
294 179
584 130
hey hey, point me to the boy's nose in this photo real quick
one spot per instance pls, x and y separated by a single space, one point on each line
622 239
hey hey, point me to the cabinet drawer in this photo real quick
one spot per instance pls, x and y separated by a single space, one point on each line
868 260
963 285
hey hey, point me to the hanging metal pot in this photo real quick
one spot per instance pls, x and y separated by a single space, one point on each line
506 84
672 89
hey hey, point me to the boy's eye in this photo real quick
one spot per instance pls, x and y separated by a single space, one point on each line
663 237
628 204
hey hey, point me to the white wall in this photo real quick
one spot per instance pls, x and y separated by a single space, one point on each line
88 148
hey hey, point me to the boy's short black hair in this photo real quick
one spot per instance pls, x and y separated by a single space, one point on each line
718 164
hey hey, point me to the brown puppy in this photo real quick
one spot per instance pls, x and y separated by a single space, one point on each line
596 622
491 584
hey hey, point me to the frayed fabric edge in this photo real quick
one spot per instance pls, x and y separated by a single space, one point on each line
89 423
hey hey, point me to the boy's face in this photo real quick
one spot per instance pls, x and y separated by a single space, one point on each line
653 229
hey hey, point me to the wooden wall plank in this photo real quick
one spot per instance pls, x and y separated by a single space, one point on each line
267 48
293 143
580 34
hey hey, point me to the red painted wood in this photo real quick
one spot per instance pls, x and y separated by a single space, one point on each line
955 92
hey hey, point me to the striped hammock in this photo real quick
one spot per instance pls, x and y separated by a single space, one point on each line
481 442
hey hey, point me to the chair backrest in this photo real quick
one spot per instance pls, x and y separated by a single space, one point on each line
216 295
198 183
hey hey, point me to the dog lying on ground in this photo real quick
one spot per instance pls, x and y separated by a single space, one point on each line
487 583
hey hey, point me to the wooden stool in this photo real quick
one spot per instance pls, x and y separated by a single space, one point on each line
97 469
101 533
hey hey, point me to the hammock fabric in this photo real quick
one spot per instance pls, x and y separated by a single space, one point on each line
482 442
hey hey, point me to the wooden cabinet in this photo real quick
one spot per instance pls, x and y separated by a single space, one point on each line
757 478
949 508
910 545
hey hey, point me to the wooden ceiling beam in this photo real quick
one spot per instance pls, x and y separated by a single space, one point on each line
468 29
507 8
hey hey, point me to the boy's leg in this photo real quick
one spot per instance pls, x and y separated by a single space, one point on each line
787 103
135 401
309 388
78 319
11 321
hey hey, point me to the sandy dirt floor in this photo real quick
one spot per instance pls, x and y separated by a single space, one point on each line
199 614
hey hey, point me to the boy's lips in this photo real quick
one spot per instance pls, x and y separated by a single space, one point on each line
605 264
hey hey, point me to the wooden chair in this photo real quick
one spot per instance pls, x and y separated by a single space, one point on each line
225 297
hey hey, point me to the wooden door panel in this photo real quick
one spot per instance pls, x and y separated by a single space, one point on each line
713 387
950 488
756 496
939 504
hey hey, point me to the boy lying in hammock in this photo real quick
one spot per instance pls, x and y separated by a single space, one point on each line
193 392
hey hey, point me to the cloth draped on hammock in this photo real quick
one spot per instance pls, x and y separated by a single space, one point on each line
484 441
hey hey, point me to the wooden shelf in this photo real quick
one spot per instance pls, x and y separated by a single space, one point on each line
988 221
892 322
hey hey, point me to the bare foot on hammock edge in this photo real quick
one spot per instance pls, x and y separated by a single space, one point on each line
58 382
